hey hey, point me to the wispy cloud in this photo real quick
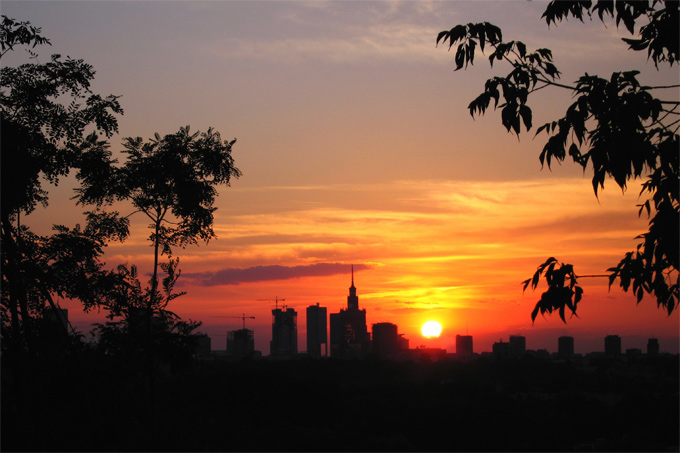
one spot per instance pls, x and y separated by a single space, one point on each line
384 42
340 33
235 276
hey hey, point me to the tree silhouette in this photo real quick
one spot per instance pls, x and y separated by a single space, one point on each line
45 110
173 181
615 126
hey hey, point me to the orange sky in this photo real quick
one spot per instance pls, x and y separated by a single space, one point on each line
357 148
451 251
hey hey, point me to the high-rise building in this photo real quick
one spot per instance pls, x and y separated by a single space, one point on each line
653 346
565 346
518 345
284 333
612 345
317 330
386 340
349 336
240 343
464 346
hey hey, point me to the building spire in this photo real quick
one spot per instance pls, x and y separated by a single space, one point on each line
352 299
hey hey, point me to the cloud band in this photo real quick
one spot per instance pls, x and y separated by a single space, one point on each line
236 276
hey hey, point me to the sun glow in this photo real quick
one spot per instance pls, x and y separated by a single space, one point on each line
431 329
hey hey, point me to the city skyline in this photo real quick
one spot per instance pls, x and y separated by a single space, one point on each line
516 342
356 147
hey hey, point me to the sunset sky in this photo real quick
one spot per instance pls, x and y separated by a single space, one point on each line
356 147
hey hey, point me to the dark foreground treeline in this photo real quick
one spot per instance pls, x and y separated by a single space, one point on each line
91 402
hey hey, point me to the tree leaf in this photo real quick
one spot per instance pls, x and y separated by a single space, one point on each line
525 112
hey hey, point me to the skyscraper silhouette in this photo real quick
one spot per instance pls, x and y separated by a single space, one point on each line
317 330
284 333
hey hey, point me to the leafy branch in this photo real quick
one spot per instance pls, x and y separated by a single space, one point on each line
615 126
529 68
563 290
13 33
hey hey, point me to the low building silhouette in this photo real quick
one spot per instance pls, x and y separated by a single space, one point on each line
612 345
423 353
633 352
464 346
240 343
203 346
518 345
385 339
653 346
500 350
565 347
403 343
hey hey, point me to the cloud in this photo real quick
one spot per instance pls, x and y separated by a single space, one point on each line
409 310
382 43
236 276
338 34
413 303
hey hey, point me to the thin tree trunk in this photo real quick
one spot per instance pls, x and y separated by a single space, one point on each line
25 317
63 321
154 279
11 274
23 292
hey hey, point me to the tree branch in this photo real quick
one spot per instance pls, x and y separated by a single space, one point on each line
659 87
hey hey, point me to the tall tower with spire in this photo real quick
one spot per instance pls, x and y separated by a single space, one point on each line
349 336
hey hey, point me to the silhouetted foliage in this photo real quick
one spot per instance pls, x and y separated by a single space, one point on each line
14 33
163 339
562 293
45 110
615 126
173 181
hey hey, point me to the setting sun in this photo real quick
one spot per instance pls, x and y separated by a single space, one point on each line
431 329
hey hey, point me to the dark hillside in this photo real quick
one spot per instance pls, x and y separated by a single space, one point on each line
93 403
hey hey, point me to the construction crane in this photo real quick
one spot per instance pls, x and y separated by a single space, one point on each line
276 301
243 317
